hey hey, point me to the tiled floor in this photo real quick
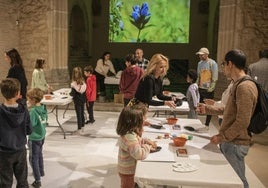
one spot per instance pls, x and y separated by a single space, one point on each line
89 161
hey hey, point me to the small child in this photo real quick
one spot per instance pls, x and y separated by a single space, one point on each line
131 146
38 116
78 87
90 92
15 125
192 94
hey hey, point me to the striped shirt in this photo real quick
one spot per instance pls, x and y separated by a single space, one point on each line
131 148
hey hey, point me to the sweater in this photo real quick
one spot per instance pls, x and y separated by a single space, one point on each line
38 116
18 72
91 88
129 81
149 87
15 125
39 80
104 67
131 149
237 113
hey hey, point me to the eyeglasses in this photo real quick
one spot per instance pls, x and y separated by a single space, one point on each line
223 64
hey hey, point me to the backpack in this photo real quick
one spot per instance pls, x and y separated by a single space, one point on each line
259 120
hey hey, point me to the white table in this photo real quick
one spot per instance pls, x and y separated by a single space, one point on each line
60 97
157 109
213 169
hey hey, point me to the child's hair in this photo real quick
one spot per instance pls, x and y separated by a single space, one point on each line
78 75
130 119
10 88
192 74
39 63
131 58
35 94
89 69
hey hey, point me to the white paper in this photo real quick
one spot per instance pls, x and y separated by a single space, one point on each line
164 155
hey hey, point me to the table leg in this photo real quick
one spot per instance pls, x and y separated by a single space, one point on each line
67 107
57 119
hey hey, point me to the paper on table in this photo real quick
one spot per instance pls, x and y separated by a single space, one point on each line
164 155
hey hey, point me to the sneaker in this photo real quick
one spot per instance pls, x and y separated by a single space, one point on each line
92 121
86 122
36 184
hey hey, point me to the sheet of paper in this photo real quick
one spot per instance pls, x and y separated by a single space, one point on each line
164 155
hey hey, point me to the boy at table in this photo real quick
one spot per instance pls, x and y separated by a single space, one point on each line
38 116
15 125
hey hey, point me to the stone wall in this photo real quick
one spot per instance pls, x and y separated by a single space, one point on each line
242 25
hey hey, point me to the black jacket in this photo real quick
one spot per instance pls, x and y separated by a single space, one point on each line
15 125
149 87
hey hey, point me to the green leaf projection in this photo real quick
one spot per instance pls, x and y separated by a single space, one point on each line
151 21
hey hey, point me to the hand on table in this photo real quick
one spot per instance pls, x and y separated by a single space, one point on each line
171 104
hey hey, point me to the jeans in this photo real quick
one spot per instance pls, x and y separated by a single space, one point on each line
13 163
204 94
235 154
90 105
79 110
36 158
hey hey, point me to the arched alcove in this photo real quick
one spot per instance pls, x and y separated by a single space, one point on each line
78 38
77 33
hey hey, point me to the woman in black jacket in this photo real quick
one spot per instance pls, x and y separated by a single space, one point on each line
150 88
17 71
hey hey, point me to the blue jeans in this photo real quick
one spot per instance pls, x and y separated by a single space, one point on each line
36 158
235 154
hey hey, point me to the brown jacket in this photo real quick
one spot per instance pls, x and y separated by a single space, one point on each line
237 114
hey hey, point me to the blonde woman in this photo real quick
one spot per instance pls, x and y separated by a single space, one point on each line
150 88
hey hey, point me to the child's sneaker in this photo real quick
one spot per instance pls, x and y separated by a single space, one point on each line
36 184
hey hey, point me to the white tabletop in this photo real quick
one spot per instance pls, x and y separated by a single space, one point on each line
183 108
59 97
213 170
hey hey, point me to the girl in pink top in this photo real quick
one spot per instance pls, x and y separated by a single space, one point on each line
131 146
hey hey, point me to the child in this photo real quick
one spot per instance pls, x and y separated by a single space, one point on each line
192 94
90 92
131 146
38 116
15 125
38 77
78 86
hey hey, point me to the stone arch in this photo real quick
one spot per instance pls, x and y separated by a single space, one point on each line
78 31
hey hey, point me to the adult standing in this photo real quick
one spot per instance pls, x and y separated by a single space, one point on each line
104 65
141 61
17 71
130 78
233 136
150 88
38 76
207 76
258 71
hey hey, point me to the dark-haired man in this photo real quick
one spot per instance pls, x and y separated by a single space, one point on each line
233 136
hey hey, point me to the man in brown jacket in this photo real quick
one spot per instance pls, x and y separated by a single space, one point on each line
233 137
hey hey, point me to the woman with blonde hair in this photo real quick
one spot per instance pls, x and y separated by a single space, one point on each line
150 88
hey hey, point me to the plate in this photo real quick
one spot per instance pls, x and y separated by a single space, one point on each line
184 167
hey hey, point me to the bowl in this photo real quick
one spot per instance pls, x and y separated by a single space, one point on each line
172 121
179 141
48 97
166 92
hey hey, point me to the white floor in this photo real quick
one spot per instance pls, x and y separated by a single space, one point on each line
87 161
